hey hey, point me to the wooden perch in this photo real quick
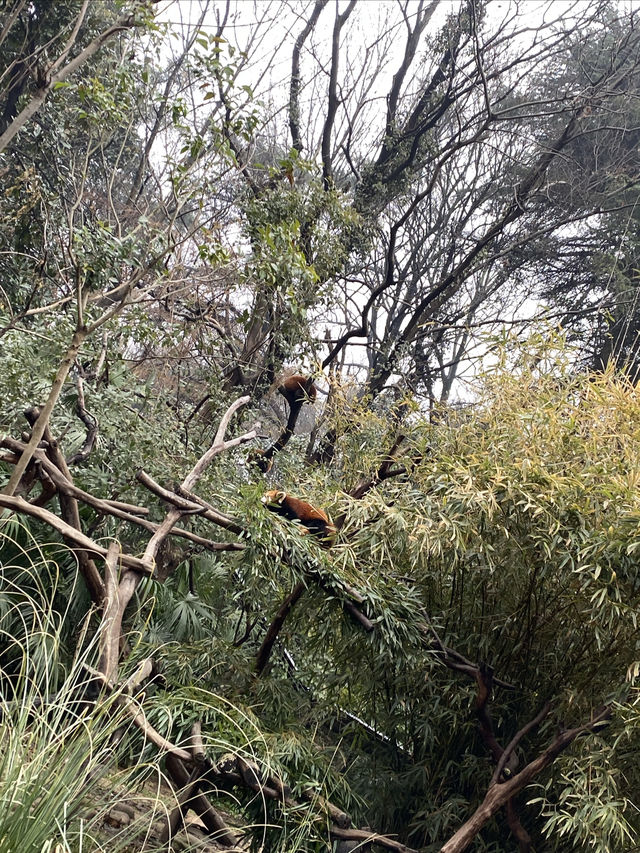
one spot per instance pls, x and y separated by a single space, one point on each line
289 602
126 512
190 504
144 671
68 505
19 505
185 501
363 836
451 658
236 771
384 472
197 746
297 390
500 793
218 447
505 782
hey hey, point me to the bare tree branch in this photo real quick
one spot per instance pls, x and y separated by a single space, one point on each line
294 89
499 794
332 105
58 74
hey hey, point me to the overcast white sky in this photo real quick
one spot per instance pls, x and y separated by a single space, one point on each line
273 26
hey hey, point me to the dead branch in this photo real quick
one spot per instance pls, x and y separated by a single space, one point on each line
264 652
53 459
517 829
211 818
235 771
130 580
184 800
385 471
499 793
306 393
484 679
219 446
363 836
503 762
212 513
451 658
189 503
110 630
89 421
135 711
19 505
505 759
197 746
126 512
144 670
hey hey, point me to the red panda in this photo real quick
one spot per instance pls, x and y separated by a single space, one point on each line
298 389
314 520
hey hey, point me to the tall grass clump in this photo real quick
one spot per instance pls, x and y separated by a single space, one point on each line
57 732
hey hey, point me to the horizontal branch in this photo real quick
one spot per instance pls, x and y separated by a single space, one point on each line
187 502
118 509
22 507
363 836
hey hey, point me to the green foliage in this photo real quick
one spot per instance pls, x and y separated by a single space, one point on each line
54 751
582 801
512 536
321 224
515 535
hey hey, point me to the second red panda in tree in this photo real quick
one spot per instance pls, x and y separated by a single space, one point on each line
297 390
314 520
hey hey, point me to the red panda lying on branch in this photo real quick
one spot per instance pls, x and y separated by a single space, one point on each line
314 520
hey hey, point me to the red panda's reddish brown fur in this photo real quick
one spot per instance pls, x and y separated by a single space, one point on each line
297 389
314 520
